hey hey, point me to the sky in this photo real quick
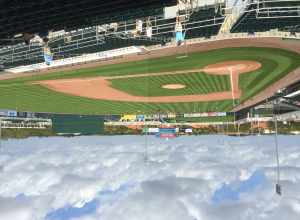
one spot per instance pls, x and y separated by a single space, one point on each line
187 178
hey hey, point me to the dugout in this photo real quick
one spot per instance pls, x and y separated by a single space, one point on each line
77 124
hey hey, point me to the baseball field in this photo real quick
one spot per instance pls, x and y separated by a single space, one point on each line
200 82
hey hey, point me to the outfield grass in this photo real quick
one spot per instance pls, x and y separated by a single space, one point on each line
39 99
20 94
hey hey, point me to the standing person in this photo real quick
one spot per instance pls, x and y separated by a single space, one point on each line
149 28
114 26
48 56
178 31
139 26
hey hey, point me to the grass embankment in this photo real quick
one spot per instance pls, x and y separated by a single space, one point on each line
24 133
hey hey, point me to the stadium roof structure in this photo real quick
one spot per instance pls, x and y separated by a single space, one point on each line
32 16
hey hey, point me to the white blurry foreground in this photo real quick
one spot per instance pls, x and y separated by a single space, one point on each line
188 178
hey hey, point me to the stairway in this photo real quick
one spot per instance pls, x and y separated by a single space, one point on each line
229 21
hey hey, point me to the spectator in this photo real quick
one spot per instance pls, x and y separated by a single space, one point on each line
149 28
67 38
47 55
27 38
113 26
178 31
139 26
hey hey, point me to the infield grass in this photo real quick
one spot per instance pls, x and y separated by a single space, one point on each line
196 83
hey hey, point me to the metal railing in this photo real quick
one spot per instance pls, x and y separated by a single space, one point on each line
263 11
96 37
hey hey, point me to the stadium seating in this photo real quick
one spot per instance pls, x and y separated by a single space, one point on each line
268 15
39 16
204 22
211 18
164 28
128 15
85 40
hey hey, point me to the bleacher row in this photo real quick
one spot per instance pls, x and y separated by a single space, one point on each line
265 15
116 53
79 59
17 53
213 19
202 22
39 16
89 40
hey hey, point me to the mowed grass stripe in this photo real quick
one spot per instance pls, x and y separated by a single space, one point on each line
44 101
196 83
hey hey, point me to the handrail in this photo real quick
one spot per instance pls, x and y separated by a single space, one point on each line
37 52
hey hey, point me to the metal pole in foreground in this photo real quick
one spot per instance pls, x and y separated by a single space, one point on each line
232 94
146 141
278 186
1 167
232 87
0 133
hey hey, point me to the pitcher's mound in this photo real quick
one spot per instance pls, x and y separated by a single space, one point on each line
173 86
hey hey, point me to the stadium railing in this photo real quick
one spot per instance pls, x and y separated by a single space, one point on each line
105 55
203 22
110 54
264 15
